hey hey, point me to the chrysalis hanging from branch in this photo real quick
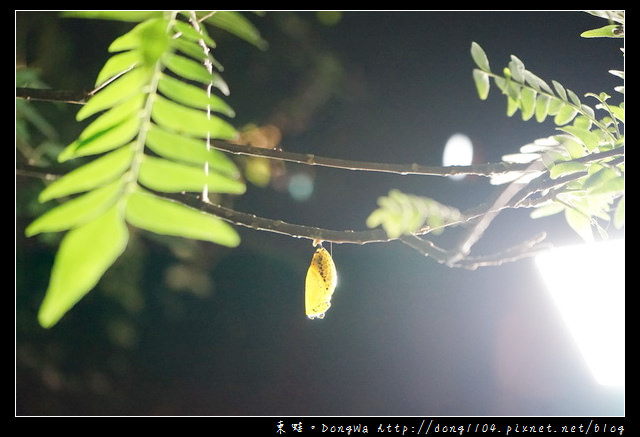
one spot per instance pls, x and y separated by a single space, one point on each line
320 283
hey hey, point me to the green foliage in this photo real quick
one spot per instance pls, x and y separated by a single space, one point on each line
590 189
150 133
609 31
402 214
32 126
238 25
595 190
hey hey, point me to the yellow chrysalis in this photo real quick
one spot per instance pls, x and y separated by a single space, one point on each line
320 283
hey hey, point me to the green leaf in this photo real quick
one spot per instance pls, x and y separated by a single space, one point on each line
167 217
574 98
376 218
527 103
537 83
190 95
117 64
114 116
551 156
559 90
565 115
195 51
171 177
501 83
238 25
582 122
611 16
513 90
512 106
190 121
117 91
104 141
401 213
187 68
617 73
480 57
547 209
190 33
192 70
516 67
617 112
85 253
565 168
542 107
588 110
189 150
135 38
98 172
481 80
580 223
609 31
574 148
604 181
555 105
591 140
596 205
76 211
154 41
134 16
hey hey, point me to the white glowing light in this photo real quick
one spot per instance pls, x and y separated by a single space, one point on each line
587 284
457 151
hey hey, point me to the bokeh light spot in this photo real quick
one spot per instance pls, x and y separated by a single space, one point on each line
300 186
457 151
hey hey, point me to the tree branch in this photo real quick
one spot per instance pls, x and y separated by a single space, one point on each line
258 223
47 95
425 247
488 169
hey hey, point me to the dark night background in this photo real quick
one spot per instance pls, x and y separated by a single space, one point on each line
405 335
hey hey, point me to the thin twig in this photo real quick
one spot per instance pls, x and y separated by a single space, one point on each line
258 223
47 95
525 249
488 169
503 198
